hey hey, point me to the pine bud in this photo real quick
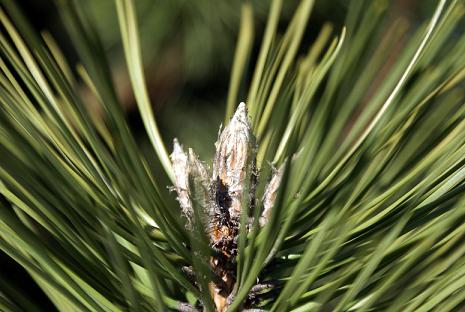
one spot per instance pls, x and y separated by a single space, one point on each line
181 175
215 204
199 187
234 151
269 197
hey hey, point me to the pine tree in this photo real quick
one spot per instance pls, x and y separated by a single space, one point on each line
338 185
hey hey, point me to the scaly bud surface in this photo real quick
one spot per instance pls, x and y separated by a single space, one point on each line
233 153
181 175
220 196
269 197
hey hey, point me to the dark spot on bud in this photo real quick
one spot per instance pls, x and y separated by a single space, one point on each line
223 200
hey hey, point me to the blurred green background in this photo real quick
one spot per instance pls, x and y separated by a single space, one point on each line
188 49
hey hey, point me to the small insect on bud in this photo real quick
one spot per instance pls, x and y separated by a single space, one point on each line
181 175
269 197
235 149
